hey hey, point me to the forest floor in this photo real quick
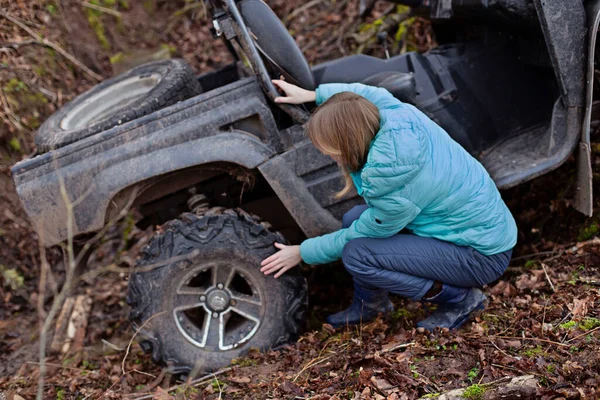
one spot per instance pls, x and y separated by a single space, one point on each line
543 318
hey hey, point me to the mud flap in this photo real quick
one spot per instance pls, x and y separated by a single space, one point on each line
584 193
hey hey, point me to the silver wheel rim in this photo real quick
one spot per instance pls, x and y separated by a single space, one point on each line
218 307
108 101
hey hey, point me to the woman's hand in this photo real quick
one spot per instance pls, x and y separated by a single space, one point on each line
294 94
286 258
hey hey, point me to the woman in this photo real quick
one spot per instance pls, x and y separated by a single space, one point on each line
411 175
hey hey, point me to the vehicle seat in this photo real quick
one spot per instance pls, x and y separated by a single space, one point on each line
401 85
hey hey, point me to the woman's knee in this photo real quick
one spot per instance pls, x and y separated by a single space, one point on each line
353 256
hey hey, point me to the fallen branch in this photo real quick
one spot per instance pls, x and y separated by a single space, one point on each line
133 337
300 9
194 383
527 338
583 334
102 9
548 277
53 46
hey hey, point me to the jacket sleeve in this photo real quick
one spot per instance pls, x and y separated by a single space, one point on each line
375 222
378 96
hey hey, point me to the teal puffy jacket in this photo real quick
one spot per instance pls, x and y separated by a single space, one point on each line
417 177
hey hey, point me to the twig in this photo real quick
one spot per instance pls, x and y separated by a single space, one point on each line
44 268
396 347
58 366
196 382
583 334
548 277
133 337
526 338
53 46
500 350
518 370
16 45
310 365
300 9
101 9
527 256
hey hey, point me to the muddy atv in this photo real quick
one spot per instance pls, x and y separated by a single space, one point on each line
224 172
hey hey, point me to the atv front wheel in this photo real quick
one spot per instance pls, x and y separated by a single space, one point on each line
199 299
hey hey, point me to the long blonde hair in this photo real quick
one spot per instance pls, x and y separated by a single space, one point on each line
343 128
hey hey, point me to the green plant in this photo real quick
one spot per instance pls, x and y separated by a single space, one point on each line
474 392
243 362
15 144
587 232
217 384
60 394
51 8
568 325
431 396
551 368
533 352
472 374
11 277
590 323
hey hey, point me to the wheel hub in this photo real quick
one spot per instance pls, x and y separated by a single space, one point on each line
218 307
217 300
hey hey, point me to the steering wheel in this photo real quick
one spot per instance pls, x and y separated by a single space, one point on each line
275 44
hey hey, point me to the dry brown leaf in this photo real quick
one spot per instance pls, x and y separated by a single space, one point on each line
162 394
239 379
579 308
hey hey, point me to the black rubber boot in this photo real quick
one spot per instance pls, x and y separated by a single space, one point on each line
456 306
366 304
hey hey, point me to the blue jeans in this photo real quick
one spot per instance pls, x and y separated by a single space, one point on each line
408 265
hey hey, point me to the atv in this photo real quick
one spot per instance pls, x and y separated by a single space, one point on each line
224 171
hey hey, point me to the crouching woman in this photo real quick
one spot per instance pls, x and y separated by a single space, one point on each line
457 233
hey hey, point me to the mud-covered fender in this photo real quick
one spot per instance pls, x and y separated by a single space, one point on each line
48 212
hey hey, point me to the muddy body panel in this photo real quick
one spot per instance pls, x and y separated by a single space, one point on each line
95 171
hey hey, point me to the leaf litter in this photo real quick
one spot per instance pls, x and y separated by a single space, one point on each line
543 323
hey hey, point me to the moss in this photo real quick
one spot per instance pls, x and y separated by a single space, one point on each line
15 144
474 392
431 396
568 325
15 85
98 28
551 368
401 313
94 18
244 362
533 352
60 394
39 70
590 323
51 8
217 384
11 277
403 28
116 58
530 264
149 6
588 232
170 48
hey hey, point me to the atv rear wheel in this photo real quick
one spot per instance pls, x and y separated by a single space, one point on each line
199 299
133 94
